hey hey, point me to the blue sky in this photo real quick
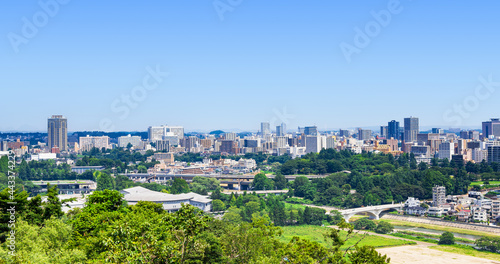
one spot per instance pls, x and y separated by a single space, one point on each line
263 61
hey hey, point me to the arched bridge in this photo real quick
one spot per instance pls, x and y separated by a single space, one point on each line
373 211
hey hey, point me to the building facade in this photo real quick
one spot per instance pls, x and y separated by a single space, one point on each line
57 131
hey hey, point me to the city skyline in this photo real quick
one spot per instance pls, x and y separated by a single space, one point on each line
292 63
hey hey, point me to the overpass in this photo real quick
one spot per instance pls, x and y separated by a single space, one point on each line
373 211
242 181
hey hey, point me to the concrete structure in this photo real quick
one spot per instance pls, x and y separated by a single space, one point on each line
393 130
44 156
480 216
435 211
162 145
438 195
135 141
446 150
68 187
364 134
82 169
88 142
311 131
373 211
491 128
495 209
265 128
315 143
281 130
493 154
170 202
412 202
415 210
57 129
410 129
158 132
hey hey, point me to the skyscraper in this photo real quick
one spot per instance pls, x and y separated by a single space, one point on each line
411 129
57 130
393 130
157 132
281 130
265 128
491 128
364 134
383 131
311 131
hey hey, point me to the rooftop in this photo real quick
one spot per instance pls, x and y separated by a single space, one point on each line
138 193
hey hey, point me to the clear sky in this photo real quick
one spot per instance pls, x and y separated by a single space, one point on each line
247 62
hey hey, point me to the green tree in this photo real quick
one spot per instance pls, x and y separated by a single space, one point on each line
261 182
179 186
384 227
218 205
447 238
233 215
104 181
53 206
280 181
491 244
364 224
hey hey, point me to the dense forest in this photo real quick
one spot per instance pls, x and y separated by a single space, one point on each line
108 230
370 179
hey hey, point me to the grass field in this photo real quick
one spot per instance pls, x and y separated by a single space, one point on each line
481 183
294 206
315 233
468 252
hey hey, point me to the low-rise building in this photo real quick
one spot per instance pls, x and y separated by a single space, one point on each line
480 216
170 202
415 210
435 211
463 215
412 202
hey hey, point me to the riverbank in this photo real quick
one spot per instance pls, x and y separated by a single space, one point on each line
442 225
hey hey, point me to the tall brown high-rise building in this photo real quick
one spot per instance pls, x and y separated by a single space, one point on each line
57 130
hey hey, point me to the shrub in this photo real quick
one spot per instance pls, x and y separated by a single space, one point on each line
447 238
364 223
384 228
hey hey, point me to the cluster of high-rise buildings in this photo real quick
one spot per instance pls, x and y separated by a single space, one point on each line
394 138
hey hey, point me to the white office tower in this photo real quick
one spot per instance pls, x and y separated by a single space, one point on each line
446 150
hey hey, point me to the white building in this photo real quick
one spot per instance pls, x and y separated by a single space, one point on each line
495 209
170 202
315 143
446 150
44 156
135 141
88 142
480 215
438 195
412 202
436 211
158 132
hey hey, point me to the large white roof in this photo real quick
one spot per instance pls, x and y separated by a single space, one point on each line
138 193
